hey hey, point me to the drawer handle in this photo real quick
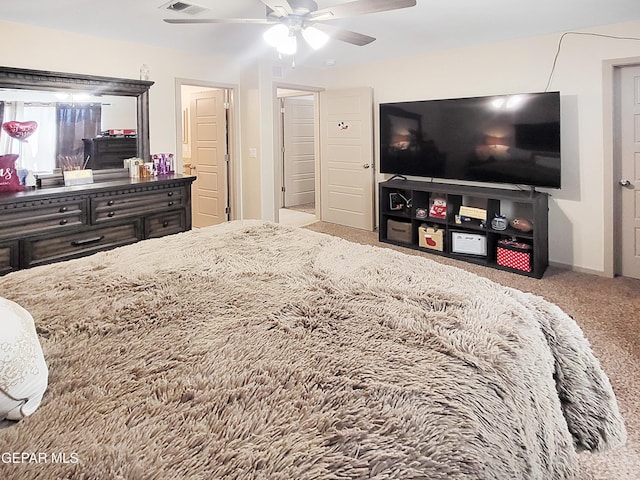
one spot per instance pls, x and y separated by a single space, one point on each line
171 204
87 241
63 209
64 221
165 224
170 194
111 214
110 202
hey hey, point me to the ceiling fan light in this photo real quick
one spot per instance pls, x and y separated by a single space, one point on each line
276 35
288 45
315 38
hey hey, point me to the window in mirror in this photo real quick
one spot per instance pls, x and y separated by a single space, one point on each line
50 130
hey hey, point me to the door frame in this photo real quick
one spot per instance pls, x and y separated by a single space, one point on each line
278 136
234 172
612 161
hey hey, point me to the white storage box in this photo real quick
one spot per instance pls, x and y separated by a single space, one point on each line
468 243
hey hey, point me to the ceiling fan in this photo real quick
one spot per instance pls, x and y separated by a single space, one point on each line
292 17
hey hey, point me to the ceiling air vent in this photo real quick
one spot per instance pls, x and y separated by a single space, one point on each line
184 7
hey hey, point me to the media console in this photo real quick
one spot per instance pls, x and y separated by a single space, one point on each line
404 213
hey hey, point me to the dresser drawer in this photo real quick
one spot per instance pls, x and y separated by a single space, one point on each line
123 145
46 249
9 256
109 152
126 205
165 224
56 223
28 218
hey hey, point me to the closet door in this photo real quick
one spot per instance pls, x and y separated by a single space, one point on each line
346 151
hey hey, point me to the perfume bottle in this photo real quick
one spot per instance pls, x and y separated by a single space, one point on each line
30 180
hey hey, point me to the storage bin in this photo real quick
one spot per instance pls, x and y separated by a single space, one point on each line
399 231
430 237
516 255
469 243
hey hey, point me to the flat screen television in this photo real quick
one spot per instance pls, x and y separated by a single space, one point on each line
498 139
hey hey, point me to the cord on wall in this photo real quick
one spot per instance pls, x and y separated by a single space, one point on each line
555 59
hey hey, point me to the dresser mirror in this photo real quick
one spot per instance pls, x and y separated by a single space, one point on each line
55 120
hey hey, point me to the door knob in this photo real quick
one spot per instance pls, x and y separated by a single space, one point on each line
625 183
366 165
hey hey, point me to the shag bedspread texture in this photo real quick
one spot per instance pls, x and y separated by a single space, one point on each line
251 350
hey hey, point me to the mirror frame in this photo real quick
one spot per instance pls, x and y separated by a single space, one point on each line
26 79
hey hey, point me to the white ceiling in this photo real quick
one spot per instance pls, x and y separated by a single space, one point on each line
428 26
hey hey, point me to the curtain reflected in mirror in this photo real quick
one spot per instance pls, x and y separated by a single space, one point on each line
73 123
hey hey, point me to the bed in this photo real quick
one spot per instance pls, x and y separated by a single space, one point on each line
251 350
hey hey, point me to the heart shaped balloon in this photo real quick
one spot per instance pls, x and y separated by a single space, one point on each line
20 130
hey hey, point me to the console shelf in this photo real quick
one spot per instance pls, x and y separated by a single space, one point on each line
475 241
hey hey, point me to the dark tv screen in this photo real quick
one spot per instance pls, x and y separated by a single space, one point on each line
498 139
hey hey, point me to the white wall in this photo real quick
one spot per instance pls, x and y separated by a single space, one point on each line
577 211
250 151
259 122
118 113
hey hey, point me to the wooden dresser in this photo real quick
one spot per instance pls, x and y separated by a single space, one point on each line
59 223
109 152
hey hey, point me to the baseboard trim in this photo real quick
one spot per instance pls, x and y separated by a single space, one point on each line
575 268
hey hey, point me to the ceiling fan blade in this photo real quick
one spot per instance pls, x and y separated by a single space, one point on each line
260 21
359 7
281 8
343 35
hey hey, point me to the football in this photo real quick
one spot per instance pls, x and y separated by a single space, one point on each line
522 224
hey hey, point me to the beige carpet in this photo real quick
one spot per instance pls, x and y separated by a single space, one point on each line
608 311
309 208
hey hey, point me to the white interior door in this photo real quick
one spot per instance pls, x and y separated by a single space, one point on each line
346 157
208 157
299 151
629 181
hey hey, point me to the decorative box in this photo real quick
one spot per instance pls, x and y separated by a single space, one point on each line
122 131
473 212
398 231
430 237
516 255
438 207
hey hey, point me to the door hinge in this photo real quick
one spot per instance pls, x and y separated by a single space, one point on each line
227 210
284 189
226 105
282 110
226 157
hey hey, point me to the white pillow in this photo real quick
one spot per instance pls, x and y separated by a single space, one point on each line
23 371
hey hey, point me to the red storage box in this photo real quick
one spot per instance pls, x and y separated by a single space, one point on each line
122 131
514 255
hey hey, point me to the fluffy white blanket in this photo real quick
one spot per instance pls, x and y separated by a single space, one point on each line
252 350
